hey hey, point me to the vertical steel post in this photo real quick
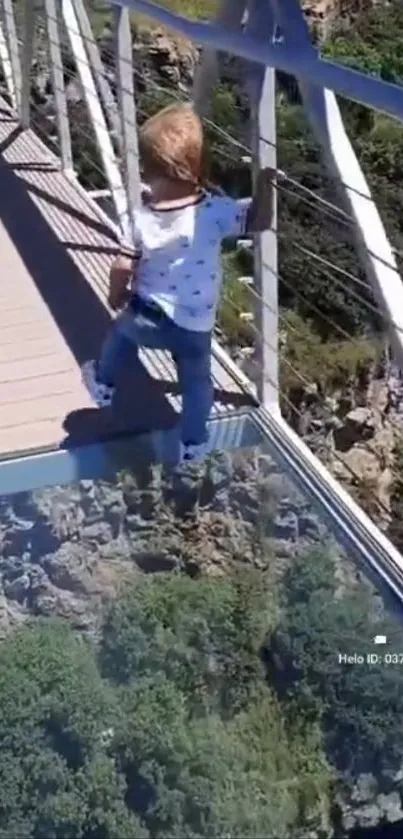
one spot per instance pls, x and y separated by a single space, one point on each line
359 87
262 88
13 49
94 58
229 14
324 114
5 62
127 106
84 70
27 54
52 11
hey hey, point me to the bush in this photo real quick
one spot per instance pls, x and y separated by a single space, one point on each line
360 705
330 364
173 733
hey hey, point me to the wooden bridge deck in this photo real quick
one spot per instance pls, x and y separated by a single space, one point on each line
55 253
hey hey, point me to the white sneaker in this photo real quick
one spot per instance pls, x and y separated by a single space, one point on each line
100 393
192 453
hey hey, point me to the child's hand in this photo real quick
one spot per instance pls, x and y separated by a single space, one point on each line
119 277
266 177
262 208
117 298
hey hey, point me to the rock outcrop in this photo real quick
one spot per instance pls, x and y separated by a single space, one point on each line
355 431
64 550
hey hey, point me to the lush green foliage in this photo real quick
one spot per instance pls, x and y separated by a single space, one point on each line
396 525
330 363
204 9
372 43
57 778
210 708
360 705
171 732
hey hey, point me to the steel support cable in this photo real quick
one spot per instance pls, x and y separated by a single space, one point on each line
325 445
356 341
368 250
324 202
278 185
351 277
337 212
53 142
313 204
327 263
339 282
343 332
352 340
229 138
313 255
290 327
294 329
305 381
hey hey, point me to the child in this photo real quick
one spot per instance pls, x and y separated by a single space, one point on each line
176 274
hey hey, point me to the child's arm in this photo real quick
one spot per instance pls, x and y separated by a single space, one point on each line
122 270
259 216
124 267
237 218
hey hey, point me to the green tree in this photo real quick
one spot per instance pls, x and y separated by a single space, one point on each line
169 729
360 705
199 724
54 771
372 43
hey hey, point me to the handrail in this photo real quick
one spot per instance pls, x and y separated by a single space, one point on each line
360 87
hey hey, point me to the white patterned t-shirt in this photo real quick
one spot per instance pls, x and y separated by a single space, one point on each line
180 256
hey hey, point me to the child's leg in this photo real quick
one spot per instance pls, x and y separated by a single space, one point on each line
191 352
193 361
130 330
99 376
114 351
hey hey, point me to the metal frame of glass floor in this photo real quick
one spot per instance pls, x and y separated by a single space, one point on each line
242 431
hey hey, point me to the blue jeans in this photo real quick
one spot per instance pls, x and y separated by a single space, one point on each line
146 325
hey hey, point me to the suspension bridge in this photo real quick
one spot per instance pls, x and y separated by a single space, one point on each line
57 243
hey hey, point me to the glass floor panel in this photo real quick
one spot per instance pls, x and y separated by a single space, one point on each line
189 652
